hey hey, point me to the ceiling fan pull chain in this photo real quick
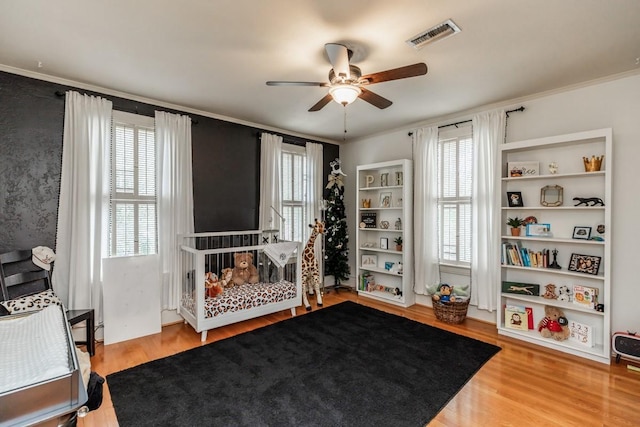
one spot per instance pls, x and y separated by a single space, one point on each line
344 136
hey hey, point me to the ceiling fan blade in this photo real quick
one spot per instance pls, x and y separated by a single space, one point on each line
339 57
320 104
279 83
374 99
414 70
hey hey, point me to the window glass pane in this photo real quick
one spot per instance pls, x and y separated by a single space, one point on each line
124 222
147 228
466 165
146 163
124 158
287 178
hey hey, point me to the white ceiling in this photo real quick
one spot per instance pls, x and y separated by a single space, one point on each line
216 55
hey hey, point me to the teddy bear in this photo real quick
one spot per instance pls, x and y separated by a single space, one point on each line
225 277
444 294
244 271
554 324
550 291
212 285
564 294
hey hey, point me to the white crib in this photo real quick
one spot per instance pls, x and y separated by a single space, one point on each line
279 287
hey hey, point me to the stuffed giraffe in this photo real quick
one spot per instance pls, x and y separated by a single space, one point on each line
310 270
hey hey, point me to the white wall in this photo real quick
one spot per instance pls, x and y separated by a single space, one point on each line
614 104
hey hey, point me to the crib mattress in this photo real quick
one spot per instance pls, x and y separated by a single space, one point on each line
244 297
40 379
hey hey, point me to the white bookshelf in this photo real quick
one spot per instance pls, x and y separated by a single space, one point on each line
399 186
567 151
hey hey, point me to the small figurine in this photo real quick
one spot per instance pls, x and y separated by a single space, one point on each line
555 264
553 168
398 224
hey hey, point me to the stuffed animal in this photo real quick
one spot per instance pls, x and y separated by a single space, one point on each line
550 291
225 277
244 271
444 294
554 324
212 287
564 294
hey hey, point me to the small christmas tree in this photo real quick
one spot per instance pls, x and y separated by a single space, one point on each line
336 236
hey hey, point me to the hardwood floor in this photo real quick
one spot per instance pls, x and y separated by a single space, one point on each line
523 385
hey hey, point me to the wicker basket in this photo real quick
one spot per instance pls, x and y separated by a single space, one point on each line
451 311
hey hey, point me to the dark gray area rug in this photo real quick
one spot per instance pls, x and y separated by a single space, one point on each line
344 365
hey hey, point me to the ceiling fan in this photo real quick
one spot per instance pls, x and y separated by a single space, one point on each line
346 82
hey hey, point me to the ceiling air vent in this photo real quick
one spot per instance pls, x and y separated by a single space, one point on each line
439 32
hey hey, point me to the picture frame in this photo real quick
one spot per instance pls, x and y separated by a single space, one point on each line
514 199
384 243
581 233
522 169
538 230
589 264
386 199
369 261
388 265
368 220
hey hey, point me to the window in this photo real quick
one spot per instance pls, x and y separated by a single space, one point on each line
294 180
454 196
132 215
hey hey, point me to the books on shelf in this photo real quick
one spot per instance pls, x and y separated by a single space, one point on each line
585 296
512 254
517 317
581 333
367 282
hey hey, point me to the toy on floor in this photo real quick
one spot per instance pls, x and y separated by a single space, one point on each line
444 294
310 270
554 324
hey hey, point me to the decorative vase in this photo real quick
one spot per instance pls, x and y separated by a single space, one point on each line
515 231
398 247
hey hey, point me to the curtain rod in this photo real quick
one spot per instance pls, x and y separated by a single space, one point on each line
60 93
519 109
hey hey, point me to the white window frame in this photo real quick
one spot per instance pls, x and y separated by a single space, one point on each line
138 122
462 257
289 232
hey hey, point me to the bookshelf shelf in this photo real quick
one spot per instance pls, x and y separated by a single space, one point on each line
567 152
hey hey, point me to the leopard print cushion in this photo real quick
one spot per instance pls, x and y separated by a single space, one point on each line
244 297
32 302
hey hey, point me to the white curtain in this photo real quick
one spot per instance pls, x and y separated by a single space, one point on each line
270 155
425 222
314 191
488 134
175 197
83 211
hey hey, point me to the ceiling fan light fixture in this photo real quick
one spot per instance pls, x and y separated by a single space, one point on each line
345 94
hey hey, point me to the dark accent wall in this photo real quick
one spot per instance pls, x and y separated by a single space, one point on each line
226 163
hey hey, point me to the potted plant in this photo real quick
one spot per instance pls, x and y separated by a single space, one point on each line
515 224
398 242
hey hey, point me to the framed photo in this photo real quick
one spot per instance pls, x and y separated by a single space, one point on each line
385 199
583 233
588 264
370 261
520 169
388 265
368 220
384 243
514 198
538 230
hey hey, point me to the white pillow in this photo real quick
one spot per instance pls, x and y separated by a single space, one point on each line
32 302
